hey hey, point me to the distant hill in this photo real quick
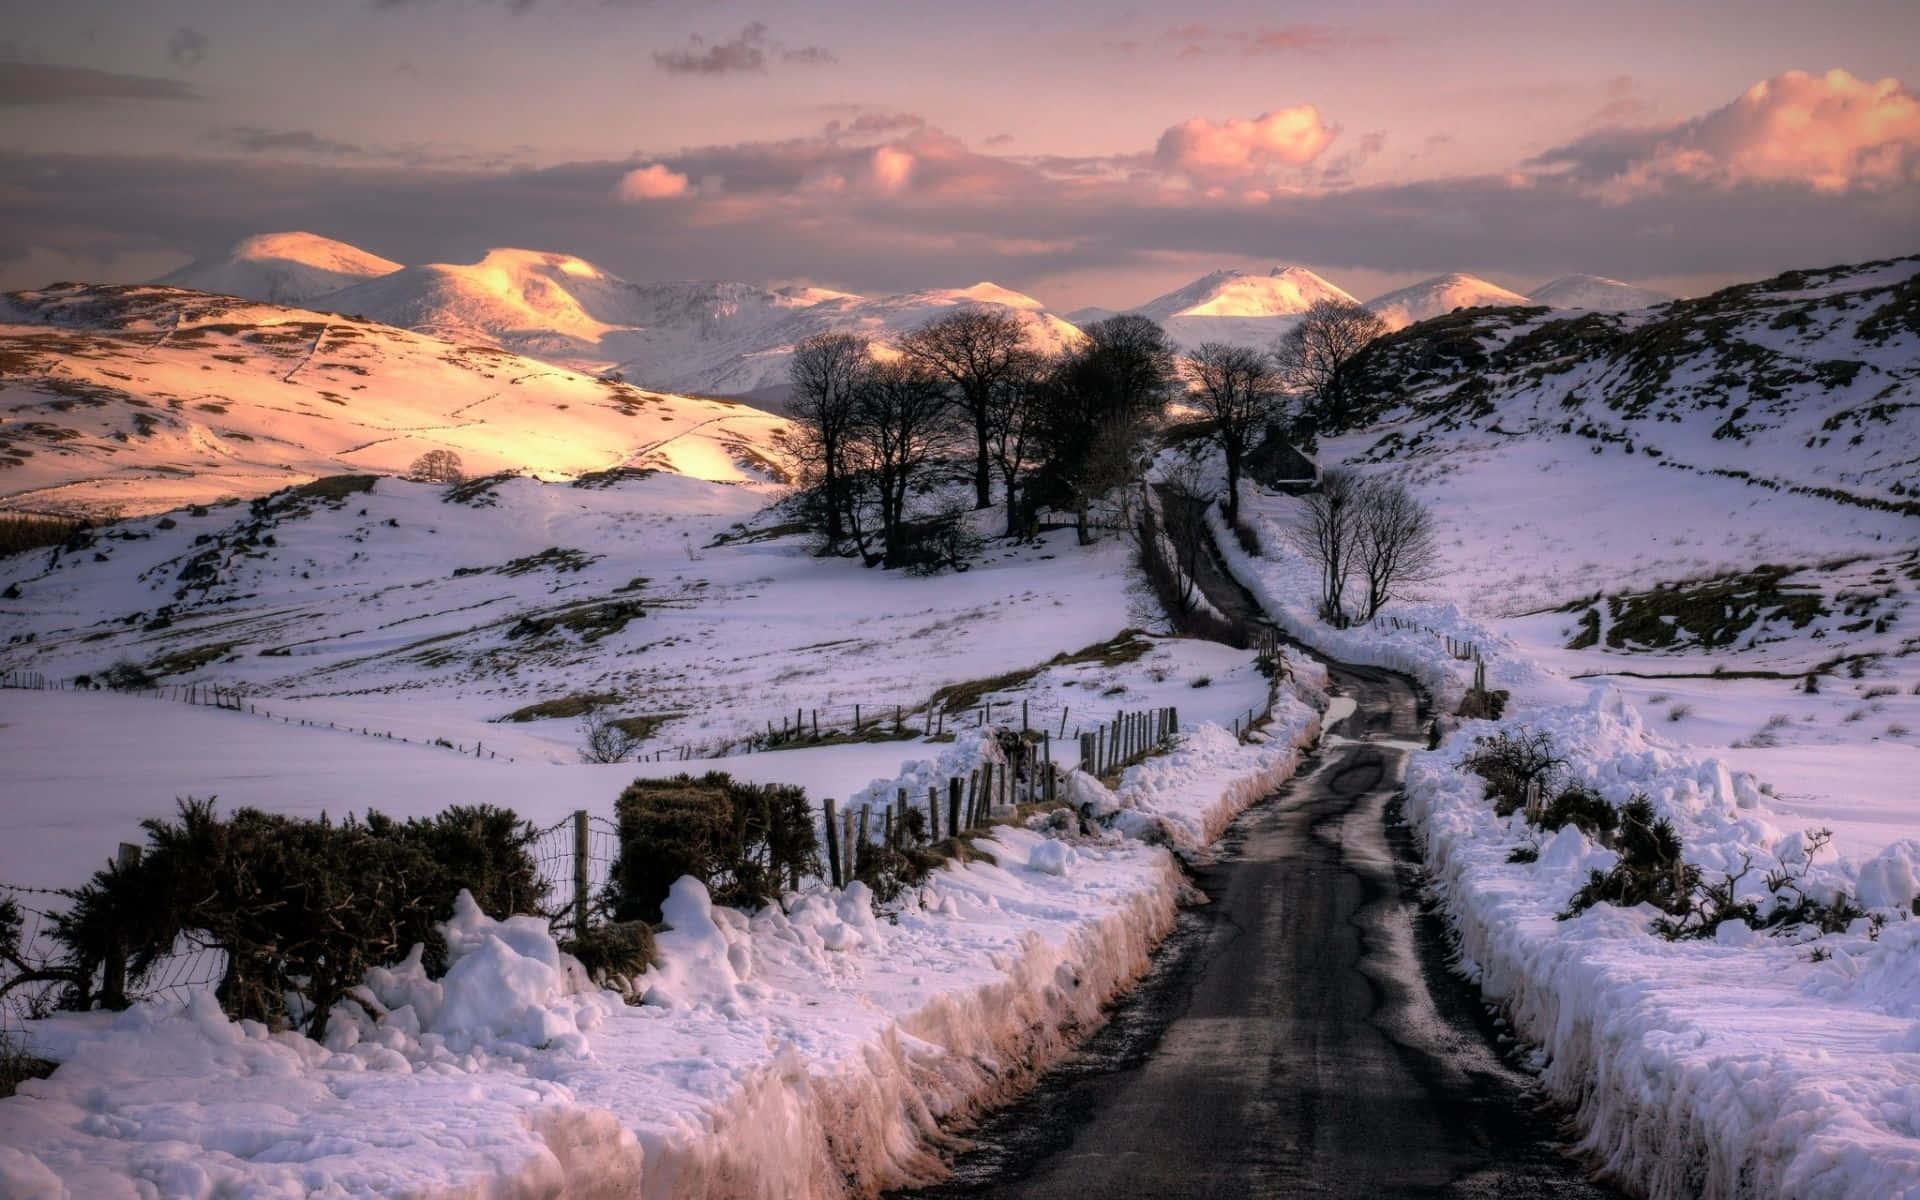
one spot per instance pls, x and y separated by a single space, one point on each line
1231 306
716 338
1441 295
142 399
281 268
1595 293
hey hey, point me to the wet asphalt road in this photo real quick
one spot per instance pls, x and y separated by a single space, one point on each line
1300 1035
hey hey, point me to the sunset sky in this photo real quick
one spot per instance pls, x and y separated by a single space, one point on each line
1084 152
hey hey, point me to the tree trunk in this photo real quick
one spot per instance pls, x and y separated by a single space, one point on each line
1233 488
1080 523
1013 509
982 479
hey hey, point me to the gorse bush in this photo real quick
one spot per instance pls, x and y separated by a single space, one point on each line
1650 869
744 841
1510 761
301 908
1585 810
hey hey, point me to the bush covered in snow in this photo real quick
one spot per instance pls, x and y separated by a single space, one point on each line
744 841
301 908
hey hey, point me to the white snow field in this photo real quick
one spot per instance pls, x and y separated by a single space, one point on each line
1746 1064
810 1049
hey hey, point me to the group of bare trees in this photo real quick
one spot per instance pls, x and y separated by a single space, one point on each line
1059 432
1305 382
1371 532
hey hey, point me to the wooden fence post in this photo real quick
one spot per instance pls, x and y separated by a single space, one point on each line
113 974
953 807
582 852
1063 720
900 798
833 844
846 843
933 812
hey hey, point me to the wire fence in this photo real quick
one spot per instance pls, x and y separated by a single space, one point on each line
206 695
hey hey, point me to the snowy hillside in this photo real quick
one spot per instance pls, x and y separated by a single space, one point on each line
141 399
281 268
1708 503
1804 382
1439 296
1595 293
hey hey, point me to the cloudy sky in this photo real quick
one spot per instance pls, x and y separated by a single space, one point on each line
1082 151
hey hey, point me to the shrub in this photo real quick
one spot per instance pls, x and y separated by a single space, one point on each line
1510 762
614 954
127 676
1650 869
744 841
302 908
945 541
604 741
1585 810
1679 712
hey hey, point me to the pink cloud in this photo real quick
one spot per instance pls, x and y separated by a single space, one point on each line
655 181
1834 133
1237 147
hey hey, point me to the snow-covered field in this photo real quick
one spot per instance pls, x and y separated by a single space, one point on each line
812 1049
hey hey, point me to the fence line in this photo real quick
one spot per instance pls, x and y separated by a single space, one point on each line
206 695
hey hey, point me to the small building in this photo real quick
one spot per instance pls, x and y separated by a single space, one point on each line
1277 465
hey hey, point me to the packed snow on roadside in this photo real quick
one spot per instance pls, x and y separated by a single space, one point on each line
814 1048
1744 1064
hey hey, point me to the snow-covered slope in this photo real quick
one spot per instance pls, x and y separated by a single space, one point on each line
281 268
1283 292
141 399
1441 295
715 338
1596 293
1231 306
1808 381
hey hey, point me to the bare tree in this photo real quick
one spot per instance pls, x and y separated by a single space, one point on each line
1014 412
437 466
1393 541
825 372
1326 533
973 349
1237 388
900 420
1315 357
604 740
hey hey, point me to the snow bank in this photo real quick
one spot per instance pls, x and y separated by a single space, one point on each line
1749 1065
813 1049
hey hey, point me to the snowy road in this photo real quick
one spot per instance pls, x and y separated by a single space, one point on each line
1301 1035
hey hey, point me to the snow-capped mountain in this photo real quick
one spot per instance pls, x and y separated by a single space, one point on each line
141 399
717 338
1231 306
1596 293
1440 295
281 268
